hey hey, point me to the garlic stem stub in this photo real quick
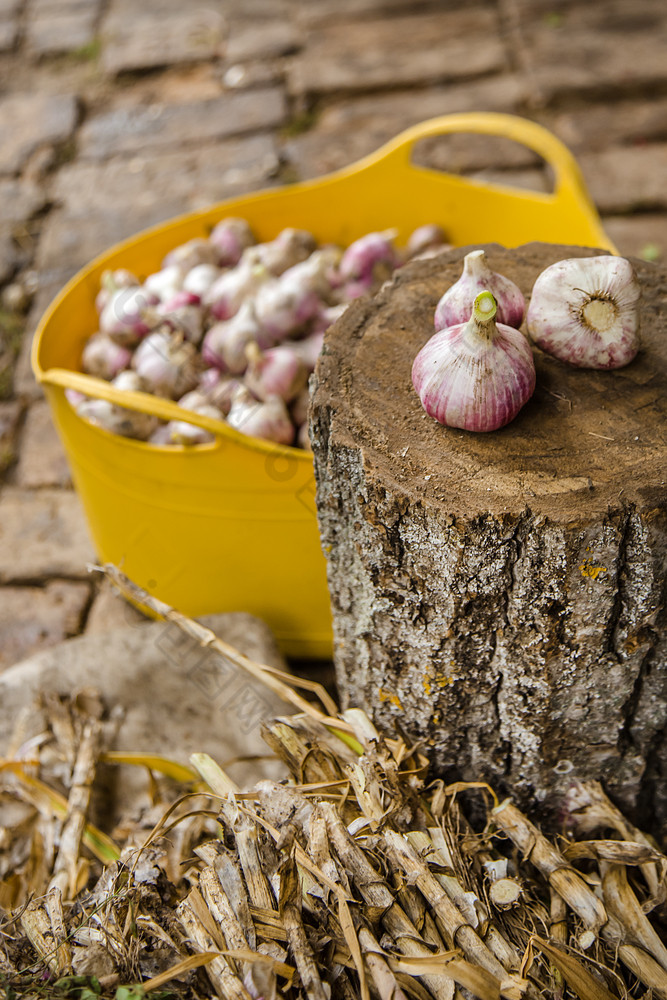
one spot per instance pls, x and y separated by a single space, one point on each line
455 306
585 312
475 375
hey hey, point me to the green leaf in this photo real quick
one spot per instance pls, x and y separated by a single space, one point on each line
79 987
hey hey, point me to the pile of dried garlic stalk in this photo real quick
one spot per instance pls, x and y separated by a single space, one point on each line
355 877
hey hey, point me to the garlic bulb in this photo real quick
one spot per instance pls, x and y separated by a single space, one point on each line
117 419
455 306
425 240
475 375
584 311
103 357
230 237
269 419
276 372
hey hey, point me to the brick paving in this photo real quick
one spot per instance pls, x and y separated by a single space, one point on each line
115 115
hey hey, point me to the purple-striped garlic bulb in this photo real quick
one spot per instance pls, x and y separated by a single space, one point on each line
475 375
268 419
455 306
585 311
276 372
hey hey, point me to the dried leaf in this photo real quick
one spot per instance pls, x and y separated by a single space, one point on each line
576 975
154 762
619 851
481 983
192 962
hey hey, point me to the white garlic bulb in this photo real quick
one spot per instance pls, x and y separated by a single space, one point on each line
584 310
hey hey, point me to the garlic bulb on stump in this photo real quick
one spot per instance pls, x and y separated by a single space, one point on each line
475 375
584 311
455 306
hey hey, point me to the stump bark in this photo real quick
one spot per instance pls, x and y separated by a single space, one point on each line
500 596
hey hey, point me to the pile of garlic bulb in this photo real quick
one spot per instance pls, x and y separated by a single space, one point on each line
231 328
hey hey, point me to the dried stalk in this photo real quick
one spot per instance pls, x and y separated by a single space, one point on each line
54 908
622 902
223 913
223 979
37 926
450 921
591 809
62 727
645 968
493 936
557 931
551 864
415 906
380 898
318 849
290 912
505 893
233 886
468 903
259 889
384 979
65 869
306 762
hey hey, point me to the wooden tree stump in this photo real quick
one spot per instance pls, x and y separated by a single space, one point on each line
500 596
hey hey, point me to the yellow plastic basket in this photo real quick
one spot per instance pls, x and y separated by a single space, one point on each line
232 525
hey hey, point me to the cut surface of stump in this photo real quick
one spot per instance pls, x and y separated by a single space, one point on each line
500 596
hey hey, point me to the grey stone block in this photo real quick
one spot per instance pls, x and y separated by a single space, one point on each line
393 52
42 461
145 40
42 534
132 131
32 618
28 121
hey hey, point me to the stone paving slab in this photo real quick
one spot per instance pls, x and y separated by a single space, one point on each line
9 33
42 461
42 534
8 253
596 127
130 131
110 611
25 385
408 50
265 39
594 48
20 199
33 618
134 40
54 32
28 121
349 129
107 202
10 415
334 11
627 178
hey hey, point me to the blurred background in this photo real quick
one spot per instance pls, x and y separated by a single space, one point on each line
115 115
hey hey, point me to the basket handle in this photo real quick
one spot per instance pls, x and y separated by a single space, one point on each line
141 402
569 183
